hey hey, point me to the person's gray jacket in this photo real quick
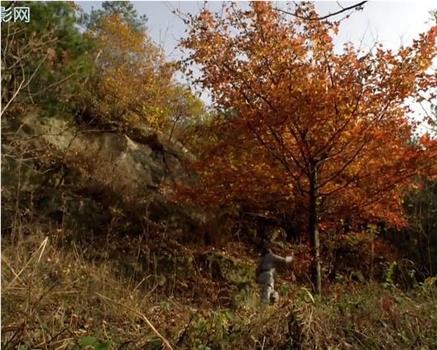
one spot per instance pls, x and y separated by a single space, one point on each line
267 265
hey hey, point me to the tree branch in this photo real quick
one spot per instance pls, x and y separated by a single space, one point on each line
357 6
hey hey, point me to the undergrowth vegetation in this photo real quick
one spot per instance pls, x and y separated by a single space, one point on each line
85 297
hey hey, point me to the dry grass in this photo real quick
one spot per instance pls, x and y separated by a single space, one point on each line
52 299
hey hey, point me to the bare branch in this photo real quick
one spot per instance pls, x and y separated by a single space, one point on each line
357 6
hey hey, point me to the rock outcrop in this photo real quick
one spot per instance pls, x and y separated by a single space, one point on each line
88 175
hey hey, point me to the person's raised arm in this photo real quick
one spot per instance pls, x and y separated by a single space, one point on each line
280 260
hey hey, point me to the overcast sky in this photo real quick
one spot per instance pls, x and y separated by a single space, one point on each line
389 22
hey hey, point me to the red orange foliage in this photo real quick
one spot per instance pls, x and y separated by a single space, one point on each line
302 126
293 105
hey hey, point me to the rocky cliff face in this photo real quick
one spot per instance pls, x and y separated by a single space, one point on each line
86 178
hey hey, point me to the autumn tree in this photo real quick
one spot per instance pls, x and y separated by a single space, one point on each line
300 125
130 75
132 86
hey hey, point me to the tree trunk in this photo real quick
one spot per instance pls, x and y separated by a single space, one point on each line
313 230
